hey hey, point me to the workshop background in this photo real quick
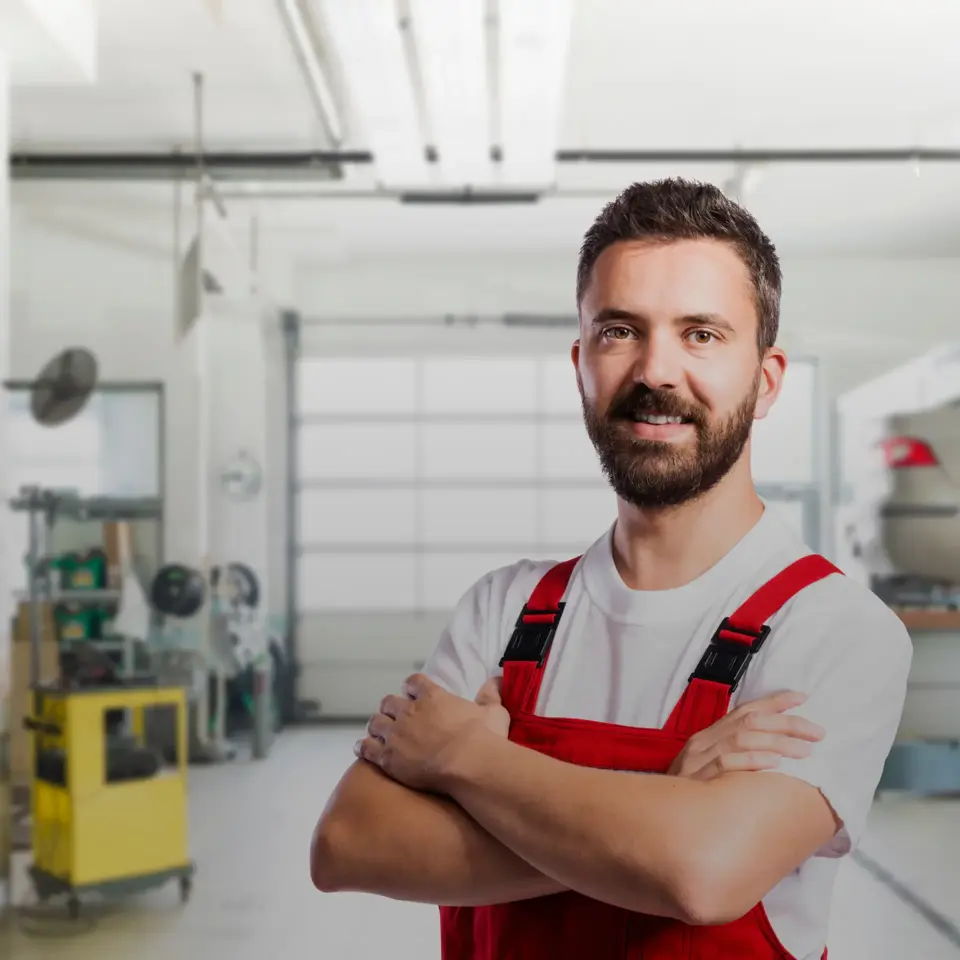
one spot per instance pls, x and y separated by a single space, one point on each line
286 299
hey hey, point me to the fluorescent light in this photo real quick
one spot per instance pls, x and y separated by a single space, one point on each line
450 37
305 46
370 47
534 37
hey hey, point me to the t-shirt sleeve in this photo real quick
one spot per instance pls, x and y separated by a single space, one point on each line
459 660
851 657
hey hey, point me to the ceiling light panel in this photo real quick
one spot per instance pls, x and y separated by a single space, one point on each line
369 43
450 41
533 39
305 46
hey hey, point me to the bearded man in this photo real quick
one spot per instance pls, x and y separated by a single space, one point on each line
662 748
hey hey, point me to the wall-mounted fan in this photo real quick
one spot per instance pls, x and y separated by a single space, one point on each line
63 386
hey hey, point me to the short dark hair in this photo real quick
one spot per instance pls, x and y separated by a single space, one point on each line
677 209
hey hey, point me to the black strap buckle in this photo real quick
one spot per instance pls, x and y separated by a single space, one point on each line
530 642
726 661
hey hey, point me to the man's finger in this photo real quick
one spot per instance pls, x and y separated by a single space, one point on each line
799 727
417 685
737 763
747 741
369 749
379 726
392 706
489 694
773 703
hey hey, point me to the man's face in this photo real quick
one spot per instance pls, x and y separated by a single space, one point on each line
668 367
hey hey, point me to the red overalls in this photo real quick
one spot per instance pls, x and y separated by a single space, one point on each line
570 926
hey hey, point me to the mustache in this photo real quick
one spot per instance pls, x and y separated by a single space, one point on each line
642 399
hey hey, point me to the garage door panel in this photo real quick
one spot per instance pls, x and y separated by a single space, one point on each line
361 581
356 451
419 475
577 516
356 385
356 516
371 636
477 385
479 516
568 453
479 451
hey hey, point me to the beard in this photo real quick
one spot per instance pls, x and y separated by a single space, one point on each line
651 474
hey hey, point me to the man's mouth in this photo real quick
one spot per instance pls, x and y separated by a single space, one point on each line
657 419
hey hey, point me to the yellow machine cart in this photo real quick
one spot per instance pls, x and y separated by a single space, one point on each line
108 815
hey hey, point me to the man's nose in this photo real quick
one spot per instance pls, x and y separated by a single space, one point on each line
659 362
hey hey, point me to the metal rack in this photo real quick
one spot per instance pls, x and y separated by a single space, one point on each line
43 508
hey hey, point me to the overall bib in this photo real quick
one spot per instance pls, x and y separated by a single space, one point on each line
570 926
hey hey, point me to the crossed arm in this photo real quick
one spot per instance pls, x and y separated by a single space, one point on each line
504 823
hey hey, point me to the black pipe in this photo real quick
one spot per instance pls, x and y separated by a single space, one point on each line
170 165
67 165
774 155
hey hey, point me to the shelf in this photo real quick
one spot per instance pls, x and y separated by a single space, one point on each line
921 619
68 504
70 596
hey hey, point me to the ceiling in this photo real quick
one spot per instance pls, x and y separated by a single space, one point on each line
640 75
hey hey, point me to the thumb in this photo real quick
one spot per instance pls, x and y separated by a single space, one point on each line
489 693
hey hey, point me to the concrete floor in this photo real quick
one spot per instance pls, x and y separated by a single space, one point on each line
251 824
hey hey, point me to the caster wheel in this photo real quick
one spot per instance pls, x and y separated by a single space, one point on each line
186 886
73 908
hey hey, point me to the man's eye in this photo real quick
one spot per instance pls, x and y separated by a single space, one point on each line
703 337
612 333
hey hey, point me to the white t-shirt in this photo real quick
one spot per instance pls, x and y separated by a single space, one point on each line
624 656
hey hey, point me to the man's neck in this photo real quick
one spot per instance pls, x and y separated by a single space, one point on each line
665 549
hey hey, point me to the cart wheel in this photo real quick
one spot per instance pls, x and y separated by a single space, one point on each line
186 886
73 907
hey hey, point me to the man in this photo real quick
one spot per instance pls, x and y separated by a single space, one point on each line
596 762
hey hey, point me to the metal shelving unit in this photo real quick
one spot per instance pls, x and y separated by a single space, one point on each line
44 508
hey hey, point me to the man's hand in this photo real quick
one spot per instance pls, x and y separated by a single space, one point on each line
414 737
755 736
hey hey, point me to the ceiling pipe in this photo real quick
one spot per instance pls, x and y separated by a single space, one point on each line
773 155
324 165
321 165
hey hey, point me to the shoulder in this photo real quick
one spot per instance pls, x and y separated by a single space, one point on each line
840 623
497 598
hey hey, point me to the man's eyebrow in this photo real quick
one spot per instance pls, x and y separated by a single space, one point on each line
608 314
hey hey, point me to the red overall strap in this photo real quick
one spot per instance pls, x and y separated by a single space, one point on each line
537 621
706 700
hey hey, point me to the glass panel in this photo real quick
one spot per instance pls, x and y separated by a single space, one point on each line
356 451
356 385
479 450
560 393
577 516
130 452
479 385
479 516
782 448
568 452
447 576
356 516
337 581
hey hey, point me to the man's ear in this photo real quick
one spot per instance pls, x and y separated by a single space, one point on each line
575 357
772 370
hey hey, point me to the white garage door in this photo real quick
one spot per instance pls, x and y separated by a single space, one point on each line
420 473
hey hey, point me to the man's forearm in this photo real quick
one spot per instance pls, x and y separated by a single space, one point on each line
379 837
